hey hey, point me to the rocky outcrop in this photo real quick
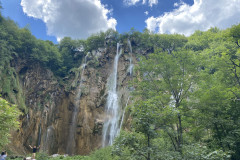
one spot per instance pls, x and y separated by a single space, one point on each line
50 103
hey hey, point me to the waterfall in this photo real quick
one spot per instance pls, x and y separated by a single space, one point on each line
72 131
77 98
130 46
112 109
48 138
39 135
27 118
124 113
130 69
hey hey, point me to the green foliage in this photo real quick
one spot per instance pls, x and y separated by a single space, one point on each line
42 156
70 158
131 145
169 43
69 56
202 40
9 120
10 87
101 154
152 42
95 41
186 98
164 88
199 152
218 96
235 34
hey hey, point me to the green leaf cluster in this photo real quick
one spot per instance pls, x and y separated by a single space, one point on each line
9 120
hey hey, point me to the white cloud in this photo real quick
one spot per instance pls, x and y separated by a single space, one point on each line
75 18
134 2
130 2
152 2
146 13
151 24
202 15
178 4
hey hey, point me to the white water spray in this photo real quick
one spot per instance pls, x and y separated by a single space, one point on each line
72 131
131 65
111 125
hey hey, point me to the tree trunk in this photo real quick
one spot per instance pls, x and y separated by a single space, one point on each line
180 139
179 128
148 156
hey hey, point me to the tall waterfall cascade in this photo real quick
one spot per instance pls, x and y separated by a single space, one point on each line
111 125
130 70
72 131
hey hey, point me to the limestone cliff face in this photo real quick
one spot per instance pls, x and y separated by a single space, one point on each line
51 103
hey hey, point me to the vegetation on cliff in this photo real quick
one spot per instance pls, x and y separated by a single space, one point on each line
9 115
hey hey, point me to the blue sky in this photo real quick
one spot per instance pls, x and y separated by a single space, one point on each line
55 19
